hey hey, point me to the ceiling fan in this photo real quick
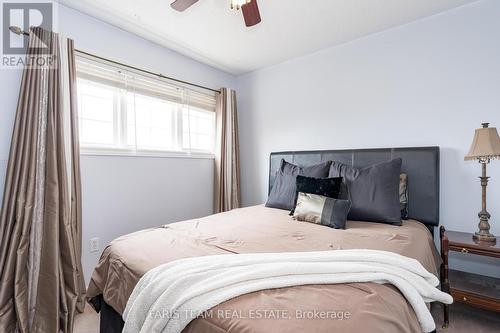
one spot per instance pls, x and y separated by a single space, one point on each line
249 8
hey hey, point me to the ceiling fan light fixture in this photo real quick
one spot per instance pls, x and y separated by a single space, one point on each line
236 4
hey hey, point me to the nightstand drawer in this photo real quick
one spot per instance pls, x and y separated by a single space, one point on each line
475 300
474 250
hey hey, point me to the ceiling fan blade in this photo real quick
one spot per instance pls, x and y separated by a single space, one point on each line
182 5
251 13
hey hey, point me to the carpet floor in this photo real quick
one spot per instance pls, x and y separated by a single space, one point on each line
463 319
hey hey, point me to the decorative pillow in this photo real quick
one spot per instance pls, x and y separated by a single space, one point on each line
403 195
322 210
282 194
373 191
327 187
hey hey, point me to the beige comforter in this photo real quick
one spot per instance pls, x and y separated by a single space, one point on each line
379 308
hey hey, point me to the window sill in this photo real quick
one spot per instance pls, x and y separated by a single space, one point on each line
152 154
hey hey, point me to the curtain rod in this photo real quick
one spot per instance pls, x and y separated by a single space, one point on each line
19 31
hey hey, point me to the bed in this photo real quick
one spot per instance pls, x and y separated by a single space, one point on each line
263 230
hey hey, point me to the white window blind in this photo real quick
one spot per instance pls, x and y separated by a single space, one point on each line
122 111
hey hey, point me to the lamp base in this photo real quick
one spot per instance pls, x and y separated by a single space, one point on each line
481 237
484 235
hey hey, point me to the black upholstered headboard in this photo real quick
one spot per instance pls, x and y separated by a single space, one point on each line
420 163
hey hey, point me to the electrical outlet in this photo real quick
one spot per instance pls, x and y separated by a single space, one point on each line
94 245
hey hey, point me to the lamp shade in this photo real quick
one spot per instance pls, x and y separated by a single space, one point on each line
486 144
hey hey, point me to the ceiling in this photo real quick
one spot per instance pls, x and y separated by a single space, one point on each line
212 33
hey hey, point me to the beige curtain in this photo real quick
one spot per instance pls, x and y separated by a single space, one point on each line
41 281
227 161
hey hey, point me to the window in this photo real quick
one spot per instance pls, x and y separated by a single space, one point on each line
127 112
97 106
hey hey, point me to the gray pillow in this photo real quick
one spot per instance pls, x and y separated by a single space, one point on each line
283 193
373 191
322 210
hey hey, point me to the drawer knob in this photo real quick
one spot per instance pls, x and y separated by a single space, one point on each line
464 250
465 299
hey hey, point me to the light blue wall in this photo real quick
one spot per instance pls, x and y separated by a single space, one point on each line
431 82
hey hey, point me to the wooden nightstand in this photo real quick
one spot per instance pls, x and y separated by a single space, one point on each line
472 289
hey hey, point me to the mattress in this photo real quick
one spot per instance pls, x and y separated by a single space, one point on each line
313 308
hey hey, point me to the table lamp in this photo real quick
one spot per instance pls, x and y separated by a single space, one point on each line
484 148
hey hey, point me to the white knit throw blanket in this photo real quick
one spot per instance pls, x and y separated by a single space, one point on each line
183 289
